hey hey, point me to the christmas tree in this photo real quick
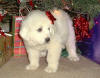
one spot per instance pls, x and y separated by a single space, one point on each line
92 7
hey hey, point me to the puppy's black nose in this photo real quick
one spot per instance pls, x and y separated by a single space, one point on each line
47 39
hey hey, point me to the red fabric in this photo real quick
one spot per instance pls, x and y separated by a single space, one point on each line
50 16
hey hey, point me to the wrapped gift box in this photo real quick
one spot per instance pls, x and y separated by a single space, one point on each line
18 45
91 47
6 50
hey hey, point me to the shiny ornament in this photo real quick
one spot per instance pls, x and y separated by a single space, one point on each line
81 28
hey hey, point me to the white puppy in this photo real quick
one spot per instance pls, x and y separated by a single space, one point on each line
40 35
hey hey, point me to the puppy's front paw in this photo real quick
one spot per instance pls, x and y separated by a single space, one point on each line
31 67
50 70
73 58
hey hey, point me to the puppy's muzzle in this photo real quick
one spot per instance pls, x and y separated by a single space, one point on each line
47 39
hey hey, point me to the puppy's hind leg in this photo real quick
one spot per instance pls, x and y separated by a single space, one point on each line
71 48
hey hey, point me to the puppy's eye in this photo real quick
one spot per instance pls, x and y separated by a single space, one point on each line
48 28
39 30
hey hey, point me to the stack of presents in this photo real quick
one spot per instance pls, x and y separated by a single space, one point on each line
10 42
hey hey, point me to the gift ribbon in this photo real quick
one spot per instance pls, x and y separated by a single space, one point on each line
50 16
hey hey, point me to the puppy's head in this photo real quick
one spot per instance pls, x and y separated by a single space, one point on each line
37 28
43 33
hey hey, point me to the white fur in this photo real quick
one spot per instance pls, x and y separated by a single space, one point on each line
61 35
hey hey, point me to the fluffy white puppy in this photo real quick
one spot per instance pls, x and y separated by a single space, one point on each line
40 35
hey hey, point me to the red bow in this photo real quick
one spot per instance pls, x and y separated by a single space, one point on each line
50 16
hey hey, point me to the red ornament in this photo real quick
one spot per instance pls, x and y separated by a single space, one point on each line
18 1
2 33
81 28
31 4
1 17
